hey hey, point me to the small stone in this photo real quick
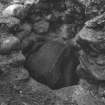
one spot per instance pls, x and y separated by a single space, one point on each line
14 59
30 2
9 21
25 2
9 44
41 26
14 74
18 74
12 9
34 18
17 2
21 35
17 58
3 103
26 27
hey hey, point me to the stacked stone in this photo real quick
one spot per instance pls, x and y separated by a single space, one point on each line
37 23
11 57
36 20
92 61
10 46
91 39
16 87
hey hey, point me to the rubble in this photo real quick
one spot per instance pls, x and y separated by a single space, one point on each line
53 72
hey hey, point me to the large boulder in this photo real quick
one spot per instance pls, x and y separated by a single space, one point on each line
53 64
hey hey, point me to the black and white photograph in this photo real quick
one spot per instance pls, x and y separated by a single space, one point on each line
52 52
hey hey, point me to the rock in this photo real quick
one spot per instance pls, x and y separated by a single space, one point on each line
34 18
93 31
26 27
1 7
32 43
19 11
15 59
17 1
28 43
67 31
25 2
11 65
14 74
32 92
41 27
82 94
9 21
12 10
75 11
9 44
58 70
92 58
93 8
22 34
31 2
21 30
